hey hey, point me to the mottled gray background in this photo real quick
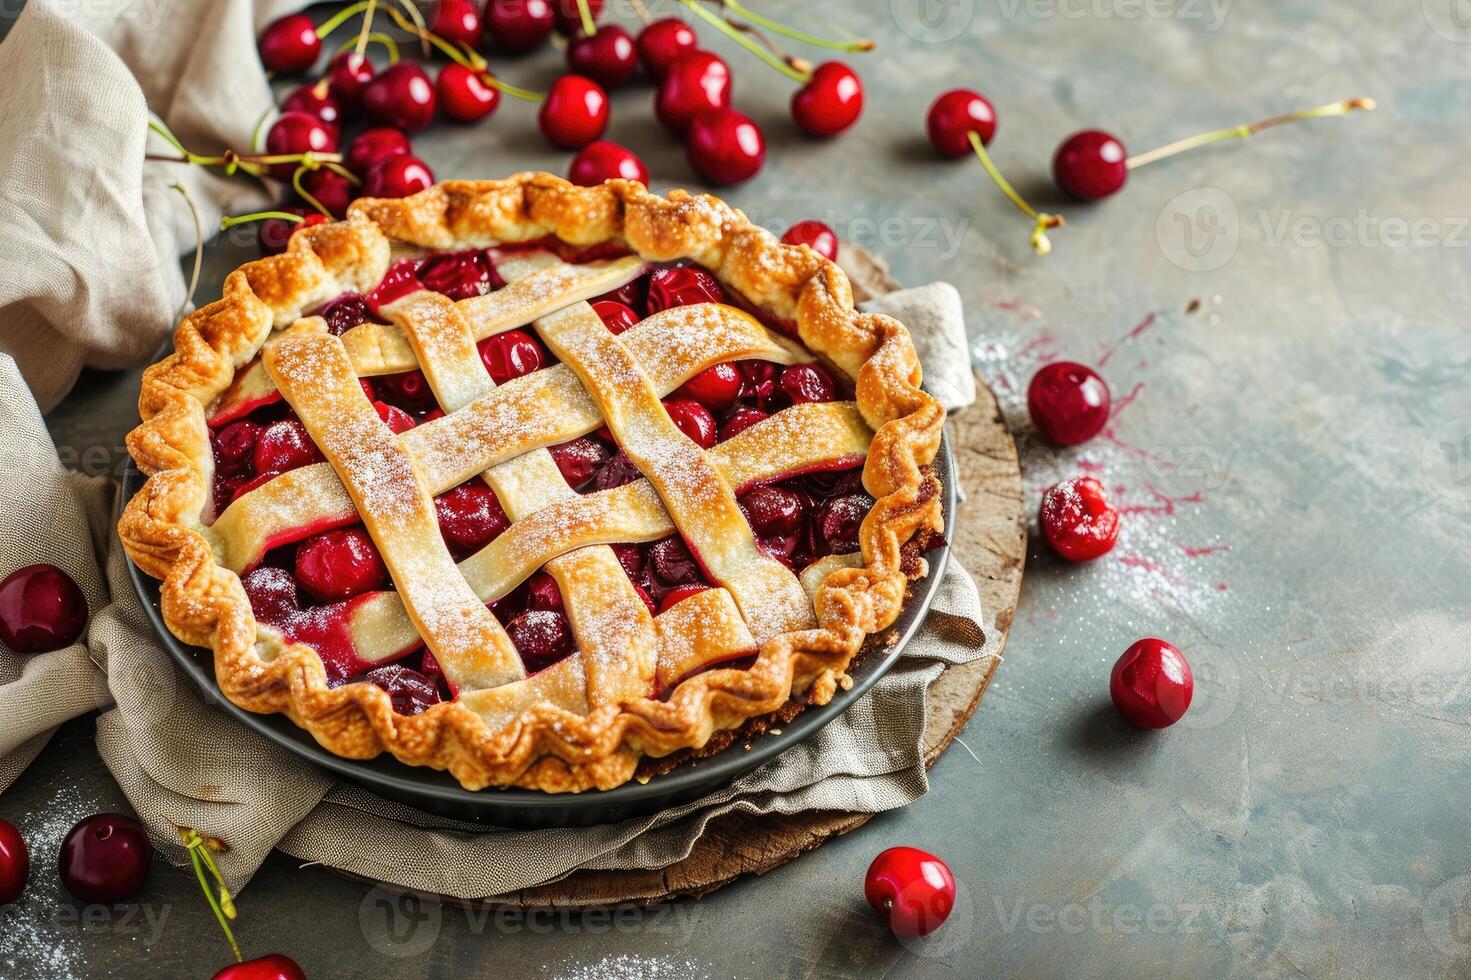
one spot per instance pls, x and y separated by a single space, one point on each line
1295 469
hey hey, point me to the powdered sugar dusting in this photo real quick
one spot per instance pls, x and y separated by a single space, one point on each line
33 940
628 966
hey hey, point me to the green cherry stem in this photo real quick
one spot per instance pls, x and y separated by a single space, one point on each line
724 27
200 848
589 26
231 220
343 16
389 45
1041 244
735 6
1250 129
302 191
367 27
198 247
418 19
466 57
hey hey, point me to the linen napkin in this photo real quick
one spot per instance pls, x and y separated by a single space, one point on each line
99 286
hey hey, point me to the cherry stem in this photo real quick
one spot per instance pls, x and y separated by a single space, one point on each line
641 10
198 247
343 16
1250 129
860 44
223 906
466 57
231 220
1041 244
367 28
389 45
720 24
302 191
418 19
589 26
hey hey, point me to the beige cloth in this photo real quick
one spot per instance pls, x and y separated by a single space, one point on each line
90 276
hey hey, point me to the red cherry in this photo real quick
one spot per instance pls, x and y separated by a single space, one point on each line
1090 165
273 967
695 82
463 94
1077 520
606 57
402 96
457 21
284 446
694 420
519 25
568 16
410 692
317 100
397 420
345 312
675 596
773 511
105 858
470 517
508 355
839 520
830 102
347 75
615 316
681 286
541 636
459 275
339 564
725 146
580 459
912 889
290 44
1068 402
671 562
234 445
603 160
955 115
814 234
617 471
41 609
760 381
663 42
298 132
808 383
575 112
333 190
15 863
274 233
542 593
398 176
373 145
740 420
716 387
1152 684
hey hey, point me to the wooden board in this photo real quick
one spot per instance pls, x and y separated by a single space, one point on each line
990 542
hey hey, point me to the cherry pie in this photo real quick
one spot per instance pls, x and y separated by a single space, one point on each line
529 481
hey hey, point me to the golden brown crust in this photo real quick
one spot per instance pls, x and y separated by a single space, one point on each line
547 747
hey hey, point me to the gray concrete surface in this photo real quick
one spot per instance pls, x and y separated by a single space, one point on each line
1296 470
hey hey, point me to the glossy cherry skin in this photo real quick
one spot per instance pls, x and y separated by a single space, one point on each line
41 609
694 83
290 44
463 94
541 636
739 421
615 316
372 145
579 460
15 863
273 967
317 100
401 96
398 176
298 132
105 858
409 691
725 146
829 103
285 445
510 355
839 521
519 25
1152 685
694 420
682 285
717 387
348 74
568 17
470 517
808 383
1068 402
339 564
955 115
773 511
814 234
677 595
663 42
334 191
607 57
457 21
273 234
603 160
575 112
1077 519
1091 165
912 889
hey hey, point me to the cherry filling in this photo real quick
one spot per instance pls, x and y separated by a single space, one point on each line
308 586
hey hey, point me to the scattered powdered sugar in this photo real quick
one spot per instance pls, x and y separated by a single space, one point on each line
629 966
40 935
